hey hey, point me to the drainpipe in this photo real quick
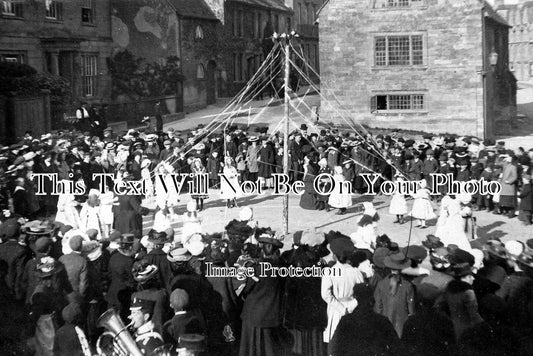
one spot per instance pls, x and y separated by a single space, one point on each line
484 73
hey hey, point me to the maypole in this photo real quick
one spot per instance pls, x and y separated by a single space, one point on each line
286 41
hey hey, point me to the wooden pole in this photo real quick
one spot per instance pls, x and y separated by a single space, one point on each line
286 139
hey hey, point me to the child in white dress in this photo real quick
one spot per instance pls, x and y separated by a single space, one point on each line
398 204
422 208
192 222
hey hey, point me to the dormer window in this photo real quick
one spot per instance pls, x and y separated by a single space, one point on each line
199 33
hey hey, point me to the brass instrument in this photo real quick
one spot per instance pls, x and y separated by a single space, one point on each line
123 343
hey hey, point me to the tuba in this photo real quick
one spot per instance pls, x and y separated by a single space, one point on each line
119 341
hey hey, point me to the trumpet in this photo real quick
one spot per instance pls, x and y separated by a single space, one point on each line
116 341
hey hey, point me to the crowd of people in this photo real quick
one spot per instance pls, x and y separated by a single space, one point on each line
68 258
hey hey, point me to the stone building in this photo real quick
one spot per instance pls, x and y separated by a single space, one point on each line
431 65
520 17
156 30
67 38
248 24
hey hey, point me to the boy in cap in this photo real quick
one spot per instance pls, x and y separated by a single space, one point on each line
183 322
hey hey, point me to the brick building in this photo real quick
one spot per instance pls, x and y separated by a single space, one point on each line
247 26
67 38
432 65
520 17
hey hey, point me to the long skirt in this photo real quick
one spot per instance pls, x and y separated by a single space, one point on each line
422 209
308 342
508 201
258 341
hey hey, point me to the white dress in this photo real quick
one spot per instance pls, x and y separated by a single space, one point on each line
398 205
91 219
227 191
192 224
162 222
338 199
337 292
452 230
66 211
422 208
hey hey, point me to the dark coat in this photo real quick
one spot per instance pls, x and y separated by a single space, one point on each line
428 332
303 304
213 167
15 256
66 342
159 258
128 216
21 205
121 278
262 303
77 272
308 198
364 332
526 196
266 161
182 323
396 307
463 307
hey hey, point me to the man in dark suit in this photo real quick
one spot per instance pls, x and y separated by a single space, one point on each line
21 205
14 255
76 267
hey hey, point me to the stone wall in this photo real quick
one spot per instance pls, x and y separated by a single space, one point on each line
450 78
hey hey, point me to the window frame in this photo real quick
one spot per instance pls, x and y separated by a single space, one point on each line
92 78
413 96
411 4
17 9
88 5
19 55
58 9
387 35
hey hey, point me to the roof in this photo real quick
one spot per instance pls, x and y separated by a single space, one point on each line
269 4
193 8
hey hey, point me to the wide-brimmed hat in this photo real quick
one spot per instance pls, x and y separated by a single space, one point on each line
379 256
246 214
396 261
312 238
143 271
461 269
46 266
158 238
342 247
495 249
37 227
525 259
269 237
415 252
92 250
432 242
179 254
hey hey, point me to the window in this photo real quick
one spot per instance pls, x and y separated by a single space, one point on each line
241 67
391 4
317 55
12 8
200 71
276 23
397 102
199 33
531 69
237 67
404 50
87 11
235 18
54 10
12 57
300 14
241 24
289 24
89 74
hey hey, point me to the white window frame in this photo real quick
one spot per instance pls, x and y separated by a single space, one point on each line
388 36
13 57
402 98
54 10
89 74
12 8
